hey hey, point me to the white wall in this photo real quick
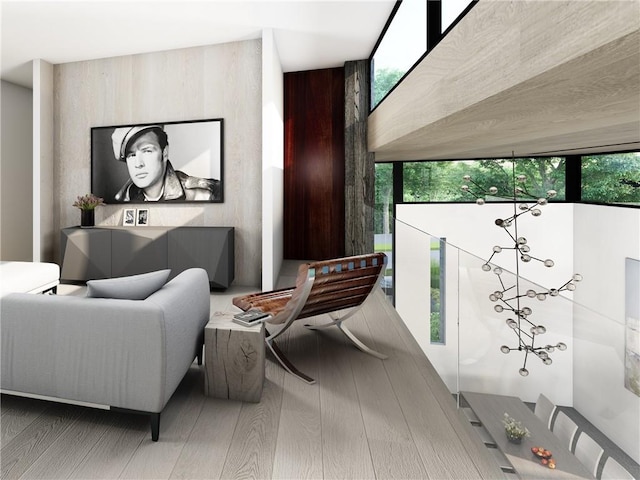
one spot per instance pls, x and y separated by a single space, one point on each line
16 170
45 231
472 347
272 162
592 240
605 236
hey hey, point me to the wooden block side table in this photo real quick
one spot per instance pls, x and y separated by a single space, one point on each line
234 359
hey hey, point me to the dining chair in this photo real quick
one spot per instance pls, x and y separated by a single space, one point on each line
589 452
544 410
565 429
612 470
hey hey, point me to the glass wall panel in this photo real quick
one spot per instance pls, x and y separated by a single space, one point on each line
581 362
404 42
441 181
611 178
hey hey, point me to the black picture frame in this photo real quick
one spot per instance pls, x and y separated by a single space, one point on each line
195 153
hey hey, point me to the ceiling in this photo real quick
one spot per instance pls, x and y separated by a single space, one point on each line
309 34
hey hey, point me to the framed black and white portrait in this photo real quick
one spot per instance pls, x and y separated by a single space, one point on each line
158 162
129 217
142 217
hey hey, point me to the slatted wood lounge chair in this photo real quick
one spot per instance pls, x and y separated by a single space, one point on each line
337 287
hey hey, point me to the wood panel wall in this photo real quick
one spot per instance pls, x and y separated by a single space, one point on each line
314 173
223 81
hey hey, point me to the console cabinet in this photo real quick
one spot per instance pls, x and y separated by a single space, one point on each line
107 252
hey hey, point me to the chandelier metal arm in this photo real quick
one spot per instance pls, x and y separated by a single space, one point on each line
521 252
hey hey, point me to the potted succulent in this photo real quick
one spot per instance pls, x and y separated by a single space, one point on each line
514 429
87 205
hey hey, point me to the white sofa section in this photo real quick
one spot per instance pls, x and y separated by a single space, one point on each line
28 277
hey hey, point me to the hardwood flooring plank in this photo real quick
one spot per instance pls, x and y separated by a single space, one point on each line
26 447
110 455
347 425
207 447
156 460
435 423
17 414
438 446
70 448
252 447
298 451
476 450
345 449
393 450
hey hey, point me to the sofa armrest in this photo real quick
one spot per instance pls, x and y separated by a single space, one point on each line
96 350
185 301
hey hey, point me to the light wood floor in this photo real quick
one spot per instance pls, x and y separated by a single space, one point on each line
364 419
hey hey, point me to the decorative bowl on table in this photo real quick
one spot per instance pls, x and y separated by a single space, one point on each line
545 456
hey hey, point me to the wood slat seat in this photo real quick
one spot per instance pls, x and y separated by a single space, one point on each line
337 287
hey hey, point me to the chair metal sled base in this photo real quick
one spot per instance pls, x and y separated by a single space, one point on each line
349 334
337 287
289 367
286 364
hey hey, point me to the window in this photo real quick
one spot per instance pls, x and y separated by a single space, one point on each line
437 289
404 42
407 39
441 181
451 10
383 220
611 178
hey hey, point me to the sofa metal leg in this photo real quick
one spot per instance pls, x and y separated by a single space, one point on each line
199 354
154 419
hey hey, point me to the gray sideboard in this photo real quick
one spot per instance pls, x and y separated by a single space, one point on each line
107 252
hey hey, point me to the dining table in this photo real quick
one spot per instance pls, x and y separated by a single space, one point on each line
490 410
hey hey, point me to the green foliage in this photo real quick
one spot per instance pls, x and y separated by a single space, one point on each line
385 79
440 181
435 316
435 328
611 178
435 275
383 210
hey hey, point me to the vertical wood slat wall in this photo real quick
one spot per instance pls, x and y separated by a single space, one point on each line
314 172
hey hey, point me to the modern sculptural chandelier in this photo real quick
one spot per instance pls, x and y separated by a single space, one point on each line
509 298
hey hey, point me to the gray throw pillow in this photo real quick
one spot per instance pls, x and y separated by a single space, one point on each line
135 287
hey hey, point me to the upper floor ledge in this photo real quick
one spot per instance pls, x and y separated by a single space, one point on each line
533 77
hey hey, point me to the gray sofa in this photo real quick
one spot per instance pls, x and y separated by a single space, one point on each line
111 353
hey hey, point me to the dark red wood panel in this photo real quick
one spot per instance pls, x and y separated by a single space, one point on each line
314 164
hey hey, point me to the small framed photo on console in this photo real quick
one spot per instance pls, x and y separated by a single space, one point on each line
129 217
142 217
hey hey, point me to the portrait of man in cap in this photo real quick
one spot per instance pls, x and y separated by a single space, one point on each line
145 149
147 173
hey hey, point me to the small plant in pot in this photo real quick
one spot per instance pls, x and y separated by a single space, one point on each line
514 429
87 205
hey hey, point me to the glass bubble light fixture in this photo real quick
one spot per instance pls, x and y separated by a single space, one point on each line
526 331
